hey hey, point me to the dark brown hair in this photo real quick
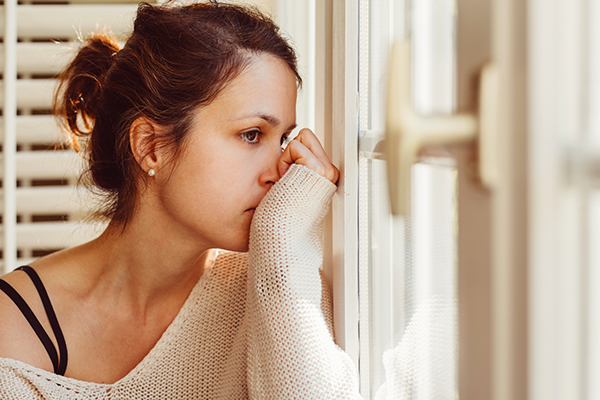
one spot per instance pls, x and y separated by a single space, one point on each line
177 59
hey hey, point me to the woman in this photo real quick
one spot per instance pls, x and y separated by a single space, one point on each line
183 129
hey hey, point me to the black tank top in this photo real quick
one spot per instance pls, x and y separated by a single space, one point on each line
60 364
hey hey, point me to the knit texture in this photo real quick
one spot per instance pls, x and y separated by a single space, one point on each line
256 325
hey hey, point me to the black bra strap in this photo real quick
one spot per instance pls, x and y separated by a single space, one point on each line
60 339
59 367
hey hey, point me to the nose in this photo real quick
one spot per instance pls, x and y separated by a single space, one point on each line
270 172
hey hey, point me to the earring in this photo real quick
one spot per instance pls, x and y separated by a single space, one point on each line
151 172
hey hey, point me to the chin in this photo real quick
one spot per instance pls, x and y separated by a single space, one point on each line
239 247
243 248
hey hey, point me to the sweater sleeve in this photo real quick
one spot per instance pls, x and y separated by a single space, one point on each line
291 353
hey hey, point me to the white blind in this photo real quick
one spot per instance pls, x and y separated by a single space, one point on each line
39 172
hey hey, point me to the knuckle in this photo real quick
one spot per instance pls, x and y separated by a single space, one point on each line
335 174
305 133
294 145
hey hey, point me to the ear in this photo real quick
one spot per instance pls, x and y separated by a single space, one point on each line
142 139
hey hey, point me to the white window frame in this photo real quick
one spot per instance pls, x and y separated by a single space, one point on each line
325 34
345 155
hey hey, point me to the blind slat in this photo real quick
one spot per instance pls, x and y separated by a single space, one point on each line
33 93
41 58
59 164
37 129
40 129
52 200
54 235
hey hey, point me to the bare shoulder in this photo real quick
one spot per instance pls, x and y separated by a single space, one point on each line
19 340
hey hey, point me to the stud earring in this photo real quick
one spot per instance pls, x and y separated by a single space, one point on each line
151 172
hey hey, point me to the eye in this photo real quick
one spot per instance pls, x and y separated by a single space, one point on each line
251 137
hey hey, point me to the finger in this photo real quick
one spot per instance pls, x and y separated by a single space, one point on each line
310 140
298 153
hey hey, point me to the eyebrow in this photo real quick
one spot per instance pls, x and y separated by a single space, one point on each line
272 120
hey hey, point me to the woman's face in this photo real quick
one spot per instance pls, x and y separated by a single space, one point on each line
229 160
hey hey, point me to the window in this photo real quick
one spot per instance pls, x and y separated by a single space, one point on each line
407 264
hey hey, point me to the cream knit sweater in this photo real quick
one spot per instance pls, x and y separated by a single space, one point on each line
255 325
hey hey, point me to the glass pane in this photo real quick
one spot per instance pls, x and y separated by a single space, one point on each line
407 268
592 380
564 195
591 233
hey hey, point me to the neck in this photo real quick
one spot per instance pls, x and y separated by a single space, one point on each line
142 266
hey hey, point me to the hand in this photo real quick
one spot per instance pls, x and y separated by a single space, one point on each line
306 150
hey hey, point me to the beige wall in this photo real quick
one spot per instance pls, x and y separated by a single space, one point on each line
268 6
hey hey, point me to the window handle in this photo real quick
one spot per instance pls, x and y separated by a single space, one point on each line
407 133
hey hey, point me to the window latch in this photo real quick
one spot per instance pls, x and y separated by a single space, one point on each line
407 133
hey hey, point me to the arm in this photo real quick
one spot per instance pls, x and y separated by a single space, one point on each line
291 351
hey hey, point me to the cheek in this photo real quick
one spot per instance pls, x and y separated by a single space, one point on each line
214 174
217 182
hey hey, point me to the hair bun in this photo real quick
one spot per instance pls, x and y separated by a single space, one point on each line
78 94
